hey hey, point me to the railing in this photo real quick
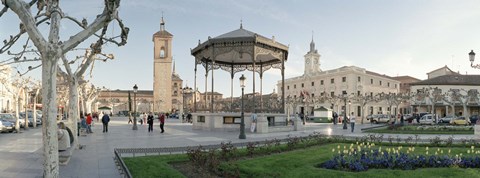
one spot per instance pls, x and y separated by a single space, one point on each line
122 167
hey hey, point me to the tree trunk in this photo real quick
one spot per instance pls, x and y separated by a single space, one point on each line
49 129
17 115
73 113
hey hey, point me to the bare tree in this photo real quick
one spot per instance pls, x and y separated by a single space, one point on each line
51 50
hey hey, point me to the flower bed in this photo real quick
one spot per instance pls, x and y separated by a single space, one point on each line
366 156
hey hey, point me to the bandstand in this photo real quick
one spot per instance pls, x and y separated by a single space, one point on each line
237 51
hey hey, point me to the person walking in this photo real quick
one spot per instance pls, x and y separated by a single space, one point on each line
130 120
352 121
89 123
162 122
150 122
105 120
145 117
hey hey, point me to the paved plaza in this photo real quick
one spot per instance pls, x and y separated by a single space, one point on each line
21 154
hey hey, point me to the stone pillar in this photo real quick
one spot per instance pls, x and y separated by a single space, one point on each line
477 131
297 124
262 124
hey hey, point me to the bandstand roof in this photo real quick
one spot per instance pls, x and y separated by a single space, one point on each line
240 50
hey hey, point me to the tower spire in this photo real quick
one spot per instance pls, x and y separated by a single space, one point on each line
162 24
241 24
312 44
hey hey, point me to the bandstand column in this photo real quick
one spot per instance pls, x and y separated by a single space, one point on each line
253 81
231 88
261 88
211 95
206 85
283 84
195 89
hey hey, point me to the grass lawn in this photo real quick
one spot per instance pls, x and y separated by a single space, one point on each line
423 130
298 163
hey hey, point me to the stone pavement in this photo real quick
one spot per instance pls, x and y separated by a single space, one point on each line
21 154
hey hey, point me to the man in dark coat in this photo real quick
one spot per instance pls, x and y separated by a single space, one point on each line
105 120
150 122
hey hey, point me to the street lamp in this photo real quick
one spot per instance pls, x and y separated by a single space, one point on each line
242 124
345 112
135 89
185 90
471 56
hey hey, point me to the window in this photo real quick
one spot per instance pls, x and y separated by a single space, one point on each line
332 93
371 81
395 85
200 118
344 79
371 94
332 80
358 93
162 52
344 92
313 84
359 78
380 82
388 84
288 87
175 85
294 96
322 94
302 85
321 82
313 95
294 86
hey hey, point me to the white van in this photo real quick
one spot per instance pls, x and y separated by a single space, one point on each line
428 119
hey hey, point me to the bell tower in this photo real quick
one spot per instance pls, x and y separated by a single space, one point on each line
162 69
312 60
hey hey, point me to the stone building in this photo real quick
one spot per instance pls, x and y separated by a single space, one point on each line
341 85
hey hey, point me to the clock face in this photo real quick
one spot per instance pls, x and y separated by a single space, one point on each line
308 62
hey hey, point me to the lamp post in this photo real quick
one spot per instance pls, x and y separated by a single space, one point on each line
135 89
345 112
242 123
185 90
471 56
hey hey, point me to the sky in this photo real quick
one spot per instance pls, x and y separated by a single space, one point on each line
395 37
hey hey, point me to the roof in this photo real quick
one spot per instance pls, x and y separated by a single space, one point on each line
442 68
176 77
163 34
451 80
239 33
321 108
380 75
405 77
209 93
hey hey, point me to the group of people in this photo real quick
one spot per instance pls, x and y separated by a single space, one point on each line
148 119
350 119
87 123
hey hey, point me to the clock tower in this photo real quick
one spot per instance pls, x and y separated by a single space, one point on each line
312 60
162 70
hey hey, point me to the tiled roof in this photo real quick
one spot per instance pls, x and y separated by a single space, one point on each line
451 80
162 33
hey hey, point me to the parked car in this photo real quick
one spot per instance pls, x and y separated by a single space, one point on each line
460 121
446 119
11 118
473 119
7 126
380 118
427 119
30 118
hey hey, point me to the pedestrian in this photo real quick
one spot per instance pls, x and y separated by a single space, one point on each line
130 120
352 121
145 116
105 120
150 122
189 117
161 118
335 117
89 123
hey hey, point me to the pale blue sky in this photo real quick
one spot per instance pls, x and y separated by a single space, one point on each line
395 37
